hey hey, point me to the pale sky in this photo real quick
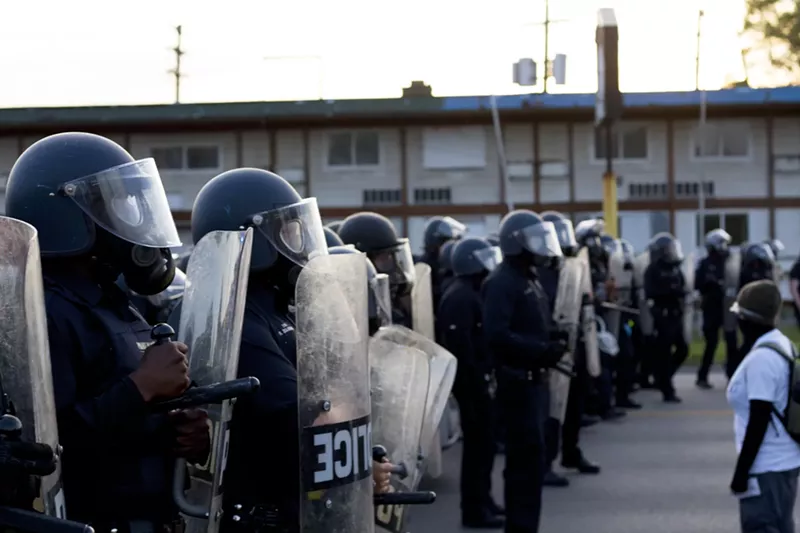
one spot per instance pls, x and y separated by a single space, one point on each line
96 52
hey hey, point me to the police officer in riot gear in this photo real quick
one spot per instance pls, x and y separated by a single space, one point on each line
156 308
376 236
332 238
101 214
439 230
665 289
516 324
710 283
758 262
261 482
461 332
446 265
334 226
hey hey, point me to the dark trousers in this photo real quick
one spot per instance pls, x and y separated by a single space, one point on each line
644 347
477 456
624 366
772 511
711 336
671 350
604 385
523 402
571 428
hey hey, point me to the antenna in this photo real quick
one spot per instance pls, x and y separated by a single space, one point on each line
177 70
525 69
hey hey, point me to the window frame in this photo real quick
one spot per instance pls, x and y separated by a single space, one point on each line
621 129
723 215
351 167
184 150
719 157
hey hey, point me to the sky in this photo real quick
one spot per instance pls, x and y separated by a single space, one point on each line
107 52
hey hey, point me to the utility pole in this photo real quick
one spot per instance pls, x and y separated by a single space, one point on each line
702 130
177 70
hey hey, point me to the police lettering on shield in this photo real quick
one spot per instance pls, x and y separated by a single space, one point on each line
342 454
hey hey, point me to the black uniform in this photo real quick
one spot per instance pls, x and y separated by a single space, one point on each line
758 262
117 462
794 276
438 231
665 286
710 283
516 321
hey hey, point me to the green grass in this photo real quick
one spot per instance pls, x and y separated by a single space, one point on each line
697 346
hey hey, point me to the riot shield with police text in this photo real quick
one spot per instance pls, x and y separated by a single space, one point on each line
588 323
400 377
733 265
687 268
333 385
211 318
25 376
422 302
567 316
645 320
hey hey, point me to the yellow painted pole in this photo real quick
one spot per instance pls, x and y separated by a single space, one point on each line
610 204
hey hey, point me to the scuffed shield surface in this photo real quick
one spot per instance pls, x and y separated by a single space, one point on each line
687 268
25 349
588 323
645 320
422 302
400 376
733 266
211 318
333 383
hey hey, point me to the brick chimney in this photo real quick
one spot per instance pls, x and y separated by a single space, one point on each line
418 89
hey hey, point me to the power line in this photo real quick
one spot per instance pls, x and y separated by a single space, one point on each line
177 70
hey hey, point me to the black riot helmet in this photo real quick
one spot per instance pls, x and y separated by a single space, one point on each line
523 234
87 196
331 238
439 230
665 249
588 234
379 296
776 245
565 232
758 255
609 243
288 229
473 256
334 226
446 258
717 242
376 236
493 239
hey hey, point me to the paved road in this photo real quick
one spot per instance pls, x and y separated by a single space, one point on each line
666 469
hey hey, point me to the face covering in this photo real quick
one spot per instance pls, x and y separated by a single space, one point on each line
147 271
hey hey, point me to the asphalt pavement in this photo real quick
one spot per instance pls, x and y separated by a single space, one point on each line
666 469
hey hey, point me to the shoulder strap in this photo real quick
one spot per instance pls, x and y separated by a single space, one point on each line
790 358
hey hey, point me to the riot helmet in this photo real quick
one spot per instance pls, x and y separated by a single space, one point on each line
439 230
588 234
565 232
376 236
334 226
331 238
717 242
89 197
776 245
758 255
446 258
524 235
665 249
493 239
475 256
288 229
609 243
379 297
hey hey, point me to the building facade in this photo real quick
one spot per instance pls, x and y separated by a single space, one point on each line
411 158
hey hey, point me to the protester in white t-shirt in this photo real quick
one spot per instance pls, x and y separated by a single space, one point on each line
767 469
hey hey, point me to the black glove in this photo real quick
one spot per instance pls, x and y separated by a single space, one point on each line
27 458
559 335
553 354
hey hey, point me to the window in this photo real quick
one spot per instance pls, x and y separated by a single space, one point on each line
736 224
354 149
647 191
691 189
728 142
432 196
627 143
382 197
187 157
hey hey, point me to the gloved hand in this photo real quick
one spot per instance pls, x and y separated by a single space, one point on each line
193 435
553 354
20 465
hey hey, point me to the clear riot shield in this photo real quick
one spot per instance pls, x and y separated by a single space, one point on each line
687 268
422 302
733 267
616 271
567 315
645 320
588 323
25 373
400 376
211 326
334 396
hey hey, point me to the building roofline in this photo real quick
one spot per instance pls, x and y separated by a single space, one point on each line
739 101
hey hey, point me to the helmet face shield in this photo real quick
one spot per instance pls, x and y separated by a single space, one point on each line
540 239
566 234
294 230
489 257
129 202
380 295
396 262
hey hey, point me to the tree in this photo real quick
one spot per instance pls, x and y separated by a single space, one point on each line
774 26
